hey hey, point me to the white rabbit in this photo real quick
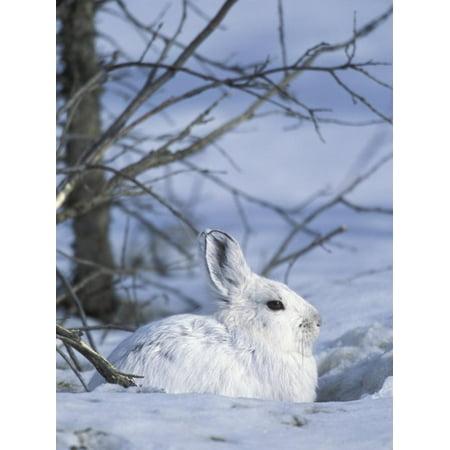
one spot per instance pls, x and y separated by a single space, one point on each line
258 344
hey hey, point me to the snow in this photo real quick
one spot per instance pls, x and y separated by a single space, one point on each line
350 284
138 420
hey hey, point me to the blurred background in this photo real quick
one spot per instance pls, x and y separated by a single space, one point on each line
269 120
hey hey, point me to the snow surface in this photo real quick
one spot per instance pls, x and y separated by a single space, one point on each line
123 420
350 284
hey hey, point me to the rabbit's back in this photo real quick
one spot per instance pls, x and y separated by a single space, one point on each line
182 353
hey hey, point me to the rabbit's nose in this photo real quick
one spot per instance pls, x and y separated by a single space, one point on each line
316 318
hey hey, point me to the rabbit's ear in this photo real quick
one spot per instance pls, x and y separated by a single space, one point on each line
225 262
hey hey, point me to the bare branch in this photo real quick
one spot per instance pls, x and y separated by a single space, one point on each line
281 34
360 69
155 159
377 209
103 366
295 255
169 43
356 96
365 273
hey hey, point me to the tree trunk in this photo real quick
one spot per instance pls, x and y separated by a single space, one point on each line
91 243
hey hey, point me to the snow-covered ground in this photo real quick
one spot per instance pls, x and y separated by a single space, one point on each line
132 420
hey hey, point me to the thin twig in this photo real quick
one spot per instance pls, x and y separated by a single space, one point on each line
73 357
77 302
169 43
361 99
295 255
108 327
153 229
235 191
366 273
72 367
80 284
376 209
371 77
108 270
281 34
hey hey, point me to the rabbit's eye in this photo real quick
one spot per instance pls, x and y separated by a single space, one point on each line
275 305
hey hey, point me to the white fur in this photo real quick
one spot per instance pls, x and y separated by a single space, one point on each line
245 349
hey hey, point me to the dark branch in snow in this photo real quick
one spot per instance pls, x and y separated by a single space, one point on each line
103 366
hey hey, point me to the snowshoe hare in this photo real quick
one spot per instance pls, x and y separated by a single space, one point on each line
258 344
